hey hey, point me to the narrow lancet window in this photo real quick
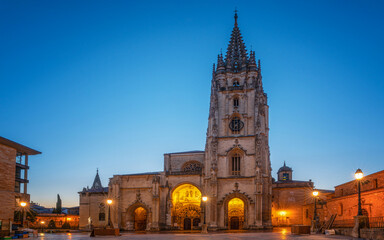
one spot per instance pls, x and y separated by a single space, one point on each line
236 164
235 102
102 212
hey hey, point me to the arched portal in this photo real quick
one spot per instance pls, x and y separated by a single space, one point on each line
186 200
140 219
235 213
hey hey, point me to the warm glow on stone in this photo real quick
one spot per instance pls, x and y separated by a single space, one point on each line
282 213
186 193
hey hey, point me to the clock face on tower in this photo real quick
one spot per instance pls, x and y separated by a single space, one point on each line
236 124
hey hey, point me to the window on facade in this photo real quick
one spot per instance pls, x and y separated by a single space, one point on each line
236 83
192 167
285 176
17 187
236 125
20 158
340 210
235 102
306 213
375 183
102 212
236 164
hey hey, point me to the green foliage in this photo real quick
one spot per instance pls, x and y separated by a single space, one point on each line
51 224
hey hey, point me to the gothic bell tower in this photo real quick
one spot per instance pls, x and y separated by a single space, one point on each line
237 157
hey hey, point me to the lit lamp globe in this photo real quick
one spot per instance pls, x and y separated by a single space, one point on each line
204 199
42 222
23 204
359 174
315 193
109 201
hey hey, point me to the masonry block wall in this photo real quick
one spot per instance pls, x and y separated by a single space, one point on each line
7 184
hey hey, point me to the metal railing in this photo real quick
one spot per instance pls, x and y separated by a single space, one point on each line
376 222
346 223
372 222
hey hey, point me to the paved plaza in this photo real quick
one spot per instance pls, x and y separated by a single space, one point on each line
276 234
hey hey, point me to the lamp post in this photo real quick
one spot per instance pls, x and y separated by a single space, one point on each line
109 201
359 175
42 226
23 205
359 219
315 193
204 228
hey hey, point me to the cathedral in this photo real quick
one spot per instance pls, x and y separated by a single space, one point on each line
226 186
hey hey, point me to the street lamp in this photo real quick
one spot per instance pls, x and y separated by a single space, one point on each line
23 205
359 175
42 226
204 228
109 201
315 193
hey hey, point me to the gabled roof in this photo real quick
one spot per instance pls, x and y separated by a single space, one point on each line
20 148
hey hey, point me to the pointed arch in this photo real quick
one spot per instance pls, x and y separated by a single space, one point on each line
186 205
235 159
130 214
226 201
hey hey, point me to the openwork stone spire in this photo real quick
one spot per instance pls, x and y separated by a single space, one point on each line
237 58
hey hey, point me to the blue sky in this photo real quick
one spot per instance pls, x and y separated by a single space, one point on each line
116 84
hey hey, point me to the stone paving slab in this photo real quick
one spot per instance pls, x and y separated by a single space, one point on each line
192 236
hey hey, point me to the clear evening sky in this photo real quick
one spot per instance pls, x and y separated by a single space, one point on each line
116 84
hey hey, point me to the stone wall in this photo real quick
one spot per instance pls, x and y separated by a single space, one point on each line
7 184
90 207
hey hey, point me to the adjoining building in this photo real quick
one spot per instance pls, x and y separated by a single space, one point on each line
234 171
343 202
14 160
93 205
290 198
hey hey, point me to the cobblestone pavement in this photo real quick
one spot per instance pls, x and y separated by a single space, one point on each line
283 234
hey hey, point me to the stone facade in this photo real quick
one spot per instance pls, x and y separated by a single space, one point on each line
290 198
344 203
13 179
93 209
234 171
7 184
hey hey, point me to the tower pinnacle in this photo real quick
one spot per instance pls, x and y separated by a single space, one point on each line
236 17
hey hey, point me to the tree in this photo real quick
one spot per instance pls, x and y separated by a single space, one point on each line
66 225
58 208
51 224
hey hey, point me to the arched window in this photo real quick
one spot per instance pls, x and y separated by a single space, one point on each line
236 164
101 212
236 102
236 83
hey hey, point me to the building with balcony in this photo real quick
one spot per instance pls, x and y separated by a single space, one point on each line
13 179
